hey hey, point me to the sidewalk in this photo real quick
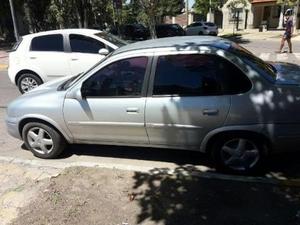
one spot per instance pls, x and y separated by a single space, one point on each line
254 34
34 195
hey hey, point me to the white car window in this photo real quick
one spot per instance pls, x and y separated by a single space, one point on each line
53 42
84 44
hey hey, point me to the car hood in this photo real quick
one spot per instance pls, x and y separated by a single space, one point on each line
287 73
47 87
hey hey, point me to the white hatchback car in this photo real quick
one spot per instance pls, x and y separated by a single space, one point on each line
202 28
40 57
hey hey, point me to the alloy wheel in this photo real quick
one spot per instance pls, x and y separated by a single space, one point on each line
40 140
28 84
240 154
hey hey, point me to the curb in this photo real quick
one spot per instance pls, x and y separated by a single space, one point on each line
3 66
201 172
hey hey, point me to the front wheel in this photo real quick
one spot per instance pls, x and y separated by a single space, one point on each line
238 153
43 141
28 81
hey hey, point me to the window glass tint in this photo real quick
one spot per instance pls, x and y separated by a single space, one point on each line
52 42
84 44
198 75
196 24
209 24
121 78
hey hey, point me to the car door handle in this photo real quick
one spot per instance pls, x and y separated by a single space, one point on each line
32 57
74 59
132 110
210 112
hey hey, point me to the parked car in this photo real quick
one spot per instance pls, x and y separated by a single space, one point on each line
40 57
169 30
134 32
202 28
203 94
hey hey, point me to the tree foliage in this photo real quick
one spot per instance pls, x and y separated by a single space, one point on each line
202 6
152 12
39 15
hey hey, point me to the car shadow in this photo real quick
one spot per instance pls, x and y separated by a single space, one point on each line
281 166
179 157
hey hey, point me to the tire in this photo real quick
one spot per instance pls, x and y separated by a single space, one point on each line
200 33
42 140
238 153
28 81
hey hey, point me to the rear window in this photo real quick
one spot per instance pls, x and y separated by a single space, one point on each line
53 42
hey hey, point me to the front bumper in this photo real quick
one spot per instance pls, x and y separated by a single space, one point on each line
12 127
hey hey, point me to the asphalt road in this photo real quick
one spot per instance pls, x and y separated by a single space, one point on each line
8 91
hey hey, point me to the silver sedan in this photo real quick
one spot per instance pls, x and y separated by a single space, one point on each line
193 93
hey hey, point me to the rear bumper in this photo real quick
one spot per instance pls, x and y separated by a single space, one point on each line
12 74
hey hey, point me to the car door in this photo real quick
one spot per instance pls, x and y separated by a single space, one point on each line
194 28
84 52
185 100
112 109
48 55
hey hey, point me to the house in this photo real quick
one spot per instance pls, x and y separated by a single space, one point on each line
254 14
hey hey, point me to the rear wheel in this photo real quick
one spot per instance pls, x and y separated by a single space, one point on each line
238 153
43 141
28 81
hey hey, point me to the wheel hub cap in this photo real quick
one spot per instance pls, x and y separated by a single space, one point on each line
28 84
240 154
40 140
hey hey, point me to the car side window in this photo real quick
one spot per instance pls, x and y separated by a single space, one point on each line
84 44
196 24
119 79
52 42
198 75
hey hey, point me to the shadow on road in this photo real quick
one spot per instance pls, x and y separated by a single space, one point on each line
181 198
283 166
237 38
148 154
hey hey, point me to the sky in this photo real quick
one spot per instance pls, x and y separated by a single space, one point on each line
191 3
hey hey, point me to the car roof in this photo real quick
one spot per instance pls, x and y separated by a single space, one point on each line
176 42
64 31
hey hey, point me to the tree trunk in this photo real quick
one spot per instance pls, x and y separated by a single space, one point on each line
152 27
85 18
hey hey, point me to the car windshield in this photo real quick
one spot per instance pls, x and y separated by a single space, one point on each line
68 83
269 70
111 38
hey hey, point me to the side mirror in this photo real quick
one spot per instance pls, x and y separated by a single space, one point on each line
103 51
76 94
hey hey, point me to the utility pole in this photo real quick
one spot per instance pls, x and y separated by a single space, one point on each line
295 19
209 17
14 20
187 11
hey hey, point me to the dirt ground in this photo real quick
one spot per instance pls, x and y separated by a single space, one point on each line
93 196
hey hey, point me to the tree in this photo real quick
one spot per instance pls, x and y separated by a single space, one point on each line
202 6
151 12
37 13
